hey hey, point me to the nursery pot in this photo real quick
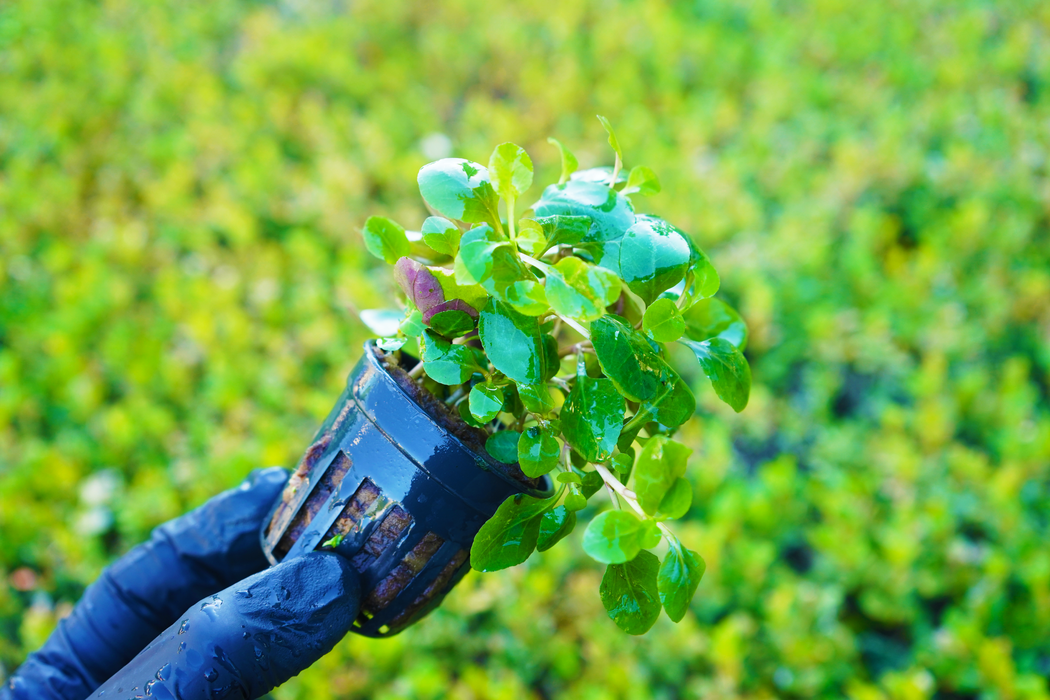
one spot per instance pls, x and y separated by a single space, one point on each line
400 494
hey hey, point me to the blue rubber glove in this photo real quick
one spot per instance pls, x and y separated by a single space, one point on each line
222 625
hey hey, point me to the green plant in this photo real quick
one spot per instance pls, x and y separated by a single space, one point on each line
549 333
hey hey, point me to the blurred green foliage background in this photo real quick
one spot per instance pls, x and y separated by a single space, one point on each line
181 185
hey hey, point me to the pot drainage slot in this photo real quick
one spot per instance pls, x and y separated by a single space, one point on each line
328 484
389 588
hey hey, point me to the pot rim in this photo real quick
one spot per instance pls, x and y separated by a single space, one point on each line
546 491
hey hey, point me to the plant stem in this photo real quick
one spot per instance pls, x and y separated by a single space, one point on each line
417 371
616 171
510 220
542 266
575 326
456 396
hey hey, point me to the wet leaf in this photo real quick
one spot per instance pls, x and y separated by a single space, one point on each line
385 239
727 369
538 451
653 256
459 189
659 464
488 259
592 417
485 402
679 577
610 213
630 595
444 362
568 160
556 524
536 397
579 290
613 537
713 318
503 446
511 170
452 323
673 407
628 359
662 322
509 536
513 342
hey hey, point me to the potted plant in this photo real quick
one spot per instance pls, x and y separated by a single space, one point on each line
542 382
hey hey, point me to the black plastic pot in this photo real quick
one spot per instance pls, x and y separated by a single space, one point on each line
406 496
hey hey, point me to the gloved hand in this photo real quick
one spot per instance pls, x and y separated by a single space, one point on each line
215 633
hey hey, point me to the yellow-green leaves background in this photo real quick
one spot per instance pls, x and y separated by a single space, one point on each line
181 188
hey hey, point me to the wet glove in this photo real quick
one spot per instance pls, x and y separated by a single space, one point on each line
214 621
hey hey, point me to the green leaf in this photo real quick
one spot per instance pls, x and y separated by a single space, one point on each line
503 446
679 577
643 181
333 541
628 359
441 235
391 344
653 256
452 323
579 290
630 595
385 239
531 237
569 478
650 535
659 464
485 402
712 318
555 525
538 451
511 170
575 500
568 160
513 342
509 536
382 322
527 296
610 213
727 369
536 397
537 236
674 407
413 325
444 362
613 537
662 322
459 189
487 258
464 412
591 482
676 502
622 463
613 141
564 229
592 417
